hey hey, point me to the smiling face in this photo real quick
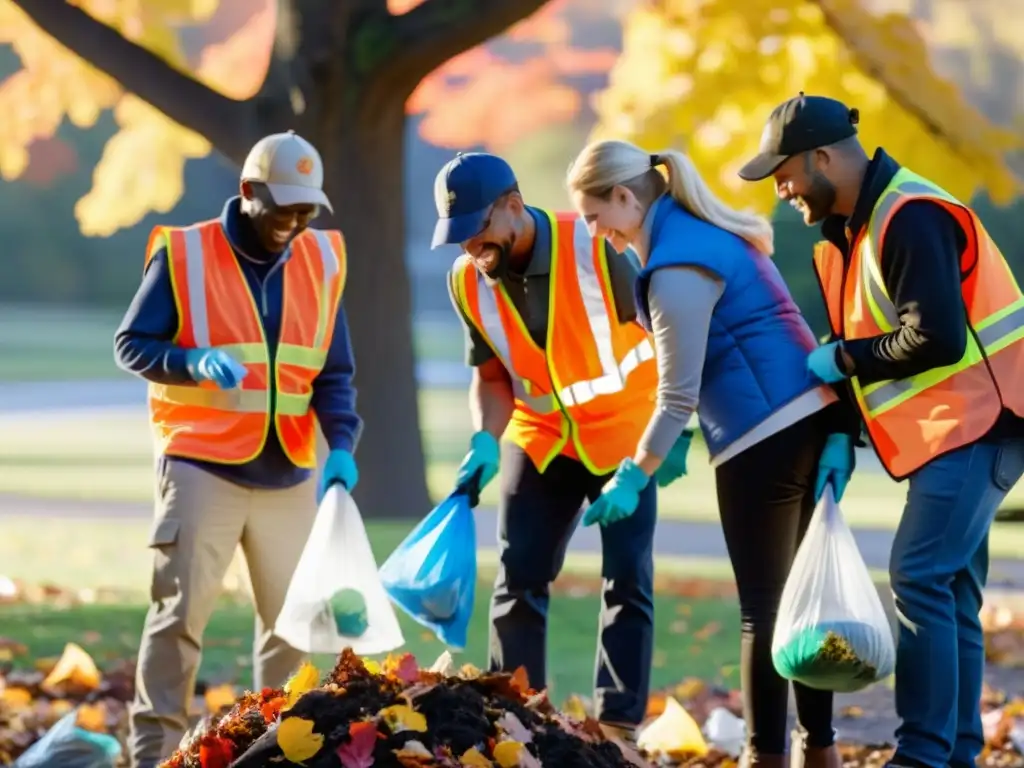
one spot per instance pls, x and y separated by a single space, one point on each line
275 225
803 182
491 248
618 218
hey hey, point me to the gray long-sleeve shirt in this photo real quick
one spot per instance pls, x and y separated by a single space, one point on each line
681 301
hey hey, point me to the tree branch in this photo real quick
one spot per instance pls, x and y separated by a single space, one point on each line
223 121
437 30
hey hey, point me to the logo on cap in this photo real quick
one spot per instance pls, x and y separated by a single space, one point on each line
449 202
304 166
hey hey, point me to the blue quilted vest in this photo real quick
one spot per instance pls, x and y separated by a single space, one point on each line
759 340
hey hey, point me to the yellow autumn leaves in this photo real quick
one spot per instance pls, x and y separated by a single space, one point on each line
703 76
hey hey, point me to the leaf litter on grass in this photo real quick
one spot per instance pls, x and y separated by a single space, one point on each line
368 713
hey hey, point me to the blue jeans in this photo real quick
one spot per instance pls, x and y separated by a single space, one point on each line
938 570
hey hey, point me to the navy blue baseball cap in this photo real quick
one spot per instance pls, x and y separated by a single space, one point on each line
464 191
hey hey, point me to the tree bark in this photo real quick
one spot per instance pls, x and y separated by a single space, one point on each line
340 74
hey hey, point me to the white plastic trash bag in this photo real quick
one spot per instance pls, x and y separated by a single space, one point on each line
832 632
335 599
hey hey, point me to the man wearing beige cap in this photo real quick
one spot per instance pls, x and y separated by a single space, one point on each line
239 329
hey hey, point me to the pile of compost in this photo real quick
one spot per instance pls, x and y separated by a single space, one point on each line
396 715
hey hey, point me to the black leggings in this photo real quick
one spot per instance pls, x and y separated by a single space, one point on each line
766 499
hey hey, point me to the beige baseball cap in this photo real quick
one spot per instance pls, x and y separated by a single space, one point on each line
290 167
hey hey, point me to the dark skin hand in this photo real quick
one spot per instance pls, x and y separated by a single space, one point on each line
275 225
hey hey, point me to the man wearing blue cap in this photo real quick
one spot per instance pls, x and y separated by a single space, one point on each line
565 379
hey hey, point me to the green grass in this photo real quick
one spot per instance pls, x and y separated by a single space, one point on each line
94 554
55 344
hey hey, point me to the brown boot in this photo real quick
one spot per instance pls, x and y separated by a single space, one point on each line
802 756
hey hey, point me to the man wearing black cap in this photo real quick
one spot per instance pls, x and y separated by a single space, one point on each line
565 379
928 332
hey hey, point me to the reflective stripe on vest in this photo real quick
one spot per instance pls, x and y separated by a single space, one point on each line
241 400
994 332
614 373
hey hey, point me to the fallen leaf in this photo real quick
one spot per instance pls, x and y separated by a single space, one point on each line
514 728
473 757
400 717
402 667
271 709
444 665
74 667
470 671
708 631
508 754
92 717
358 751
575 708
220 697
521 680
215 752
304 680
297 740
852 712
16 698
373 667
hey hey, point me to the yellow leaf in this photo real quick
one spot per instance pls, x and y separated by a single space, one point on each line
473 757
400 717
373 667
304 680
92 717
219 697
75 667
16 698
296 739
679 84
508 753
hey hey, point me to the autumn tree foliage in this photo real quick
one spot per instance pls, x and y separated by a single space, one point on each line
703 75
339 73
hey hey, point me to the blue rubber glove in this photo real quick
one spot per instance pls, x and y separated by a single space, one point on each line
823 364
339 468
215 365
835 465
620 496
479 467
674 465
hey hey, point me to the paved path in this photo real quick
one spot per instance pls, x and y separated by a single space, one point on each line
675 538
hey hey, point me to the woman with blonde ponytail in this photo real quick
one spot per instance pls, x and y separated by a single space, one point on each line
731 346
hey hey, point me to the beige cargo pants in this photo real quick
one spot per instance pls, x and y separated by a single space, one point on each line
200 521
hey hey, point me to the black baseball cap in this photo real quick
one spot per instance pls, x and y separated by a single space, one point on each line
799 125
464 190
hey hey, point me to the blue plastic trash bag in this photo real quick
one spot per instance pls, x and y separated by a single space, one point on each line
432 574
68 746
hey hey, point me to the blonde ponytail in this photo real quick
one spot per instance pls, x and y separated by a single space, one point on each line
691 192
603 165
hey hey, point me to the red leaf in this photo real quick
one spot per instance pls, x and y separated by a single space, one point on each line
358 752
215 752
408 671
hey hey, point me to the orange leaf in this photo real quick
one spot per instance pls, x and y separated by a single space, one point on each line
521 680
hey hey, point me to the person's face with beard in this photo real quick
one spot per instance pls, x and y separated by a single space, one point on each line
804 183
491 248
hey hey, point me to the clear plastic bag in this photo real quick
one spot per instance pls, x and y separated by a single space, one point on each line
432 574
66 745
335 599
832 632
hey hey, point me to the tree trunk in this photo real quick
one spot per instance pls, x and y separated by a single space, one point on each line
364 165
340 73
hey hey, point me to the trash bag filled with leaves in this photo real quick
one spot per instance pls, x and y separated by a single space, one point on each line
396 715
831 632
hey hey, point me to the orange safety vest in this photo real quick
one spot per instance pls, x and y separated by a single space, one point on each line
216 310
590 392
914 420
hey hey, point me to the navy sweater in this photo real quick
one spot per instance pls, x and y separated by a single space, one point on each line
142 346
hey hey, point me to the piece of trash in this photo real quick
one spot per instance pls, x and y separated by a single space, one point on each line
725 731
